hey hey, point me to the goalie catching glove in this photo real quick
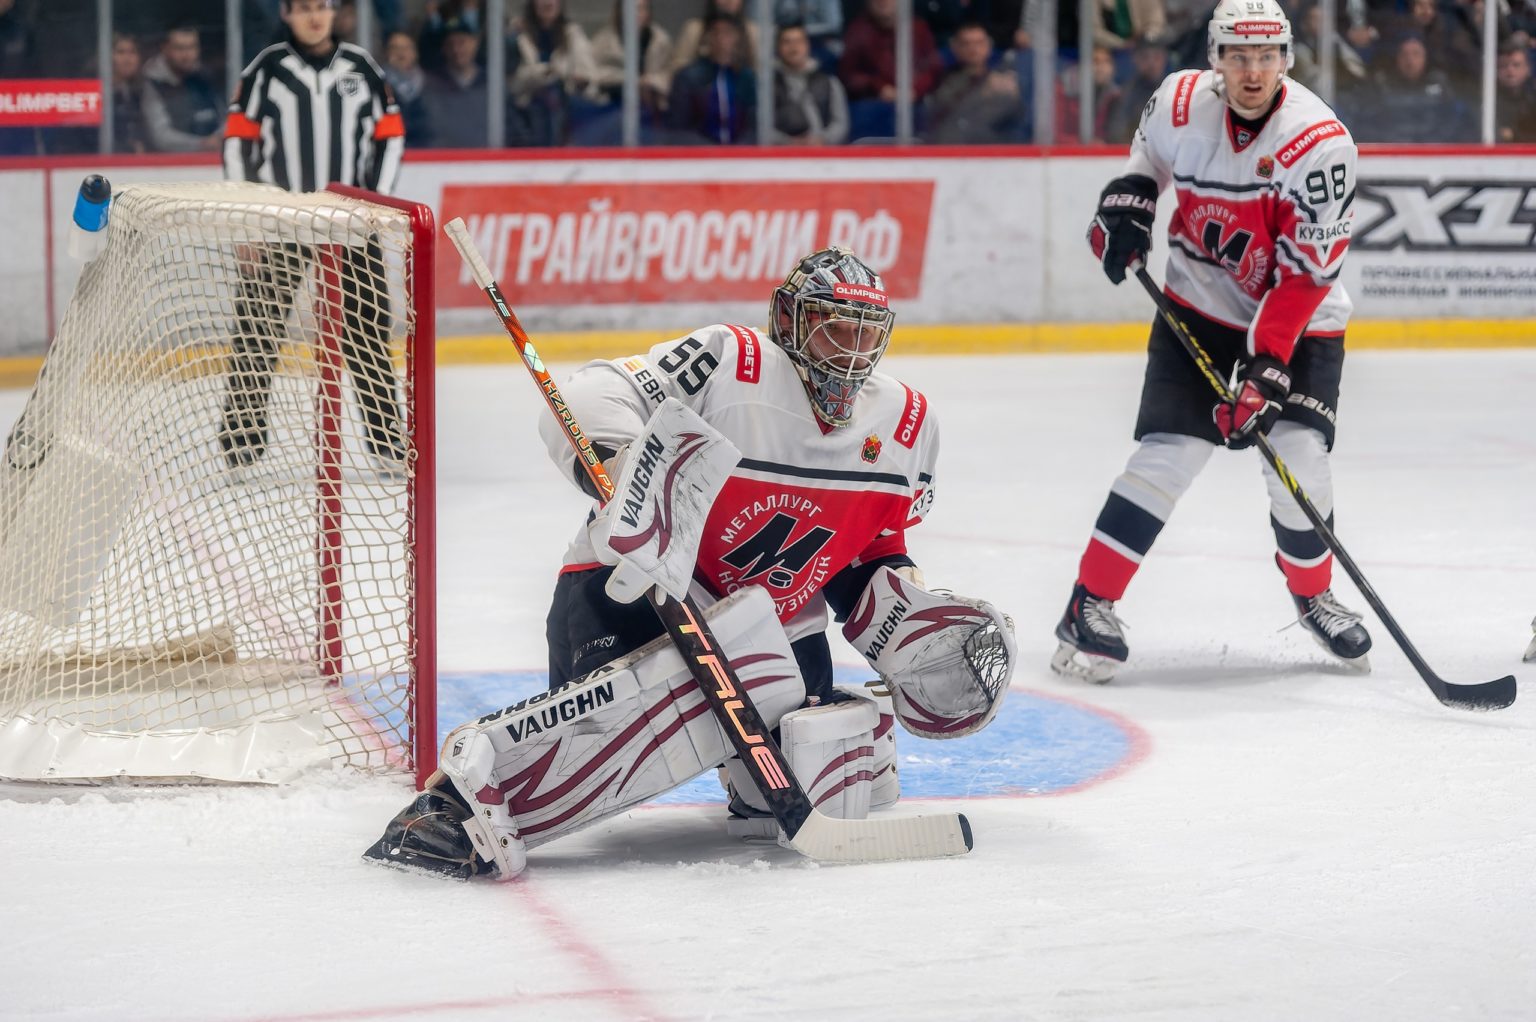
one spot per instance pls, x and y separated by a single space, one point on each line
946 659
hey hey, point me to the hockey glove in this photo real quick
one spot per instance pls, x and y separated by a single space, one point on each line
1261 389
1121 232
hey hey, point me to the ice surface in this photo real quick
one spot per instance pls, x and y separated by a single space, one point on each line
1289 841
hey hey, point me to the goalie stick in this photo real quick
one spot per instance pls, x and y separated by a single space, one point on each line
1487 695
805 829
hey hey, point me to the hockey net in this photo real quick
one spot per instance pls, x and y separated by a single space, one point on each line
216 506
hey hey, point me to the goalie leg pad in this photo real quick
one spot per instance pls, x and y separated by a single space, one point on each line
627 732
887 785
831 751
947 659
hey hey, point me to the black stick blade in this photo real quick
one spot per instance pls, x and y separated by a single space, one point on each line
1490 695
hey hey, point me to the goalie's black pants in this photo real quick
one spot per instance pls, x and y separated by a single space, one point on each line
586 630
263 296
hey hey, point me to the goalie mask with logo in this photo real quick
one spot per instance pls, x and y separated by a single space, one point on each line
832 317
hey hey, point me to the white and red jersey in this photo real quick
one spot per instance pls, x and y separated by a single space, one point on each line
1262 220
806 500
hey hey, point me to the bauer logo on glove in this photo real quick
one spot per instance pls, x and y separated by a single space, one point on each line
1259 394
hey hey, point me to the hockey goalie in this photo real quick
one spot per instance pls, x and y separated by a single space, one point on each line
793 471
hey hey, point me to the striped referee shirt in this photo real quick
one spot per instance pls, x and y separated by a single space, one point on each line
302 123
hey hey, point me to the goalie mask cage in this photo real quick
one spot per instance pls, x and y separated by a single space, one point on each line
217 507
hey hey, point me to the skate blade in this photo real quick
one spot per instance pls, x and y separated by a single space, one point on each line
756 828
1071 662
1360 664
378 854
1530 653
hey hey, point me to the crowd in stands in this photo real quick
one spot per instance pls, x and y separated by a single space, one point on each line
1404 70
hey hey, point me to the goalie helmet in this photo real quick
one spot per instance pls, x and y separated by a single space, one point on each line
1249 23
832 317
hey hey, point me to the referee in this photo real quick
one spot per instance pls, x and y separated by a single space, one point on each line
312 110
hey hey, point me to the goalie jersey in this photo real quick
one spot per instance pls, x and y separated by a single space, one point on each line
806 501
1262 218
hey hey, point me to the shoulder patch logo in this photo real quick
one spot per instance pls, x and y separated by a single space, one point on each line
1266 167
871 451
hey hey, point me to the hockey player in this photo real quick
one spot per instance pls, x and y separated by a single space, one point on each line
830 462
1263 181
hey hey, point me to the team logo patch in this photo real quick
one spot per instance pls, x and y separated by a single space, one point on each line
1244 136
871 451
1266 167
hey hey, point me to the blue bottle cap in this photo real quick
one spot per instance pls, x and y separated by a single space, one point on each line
93 202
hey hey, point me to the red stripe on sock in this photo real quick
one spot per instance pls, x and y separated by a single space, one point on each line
1105 572
1307 581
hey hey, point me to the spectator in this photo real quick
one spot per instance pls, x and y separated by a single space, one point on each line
1123 23
1412 102
868 68
16 46
182 111
1514 112
944 17
555 65
456 99
1350 73
690 38
128 130
16 61
402 70
1449 46
976 103
462 15
714 99
655 58
1150 61
809 105
1069 102
822 21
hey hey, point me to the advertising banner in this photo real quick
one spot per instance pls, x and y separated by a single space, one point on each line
1445 237
725 241
669 240
49 102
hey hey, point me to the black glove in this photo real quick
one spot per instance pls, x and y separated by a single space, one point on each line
1121 232
1259 398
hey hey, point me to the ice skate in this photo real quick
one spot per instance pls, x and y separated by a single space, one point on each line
1335 627
1530 651
1092 639
429 835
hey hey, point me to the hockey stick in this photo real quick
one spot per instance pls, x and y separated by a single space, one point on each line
1487 695
806 829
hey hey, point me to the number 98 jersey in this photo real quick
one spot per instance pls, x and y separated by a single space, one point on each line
1263 209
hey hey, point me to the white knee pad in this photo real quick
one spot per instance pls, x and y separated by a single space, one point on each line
832 750
625 733
1160 470
1305 452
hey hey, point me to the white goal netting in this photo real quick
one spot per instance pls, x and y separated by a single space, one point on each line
209 506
